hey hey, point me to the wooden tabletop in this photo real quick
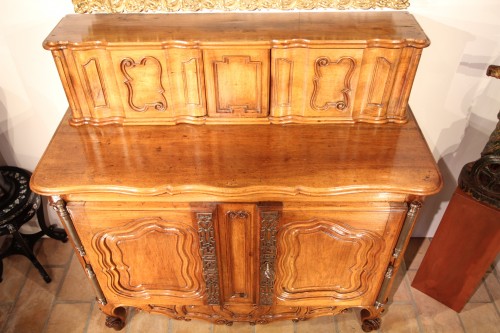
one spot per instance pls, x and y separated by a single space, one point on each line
385 29
315 160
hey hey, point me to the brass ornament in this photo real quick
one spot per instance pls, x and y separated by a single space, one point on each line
155 6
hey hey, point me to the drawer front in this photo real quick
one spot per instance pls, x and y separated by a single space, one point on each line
143 257
334 255
237 83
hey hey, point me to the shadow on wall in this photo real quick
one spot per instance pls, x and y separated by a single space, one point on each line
7 156
451 163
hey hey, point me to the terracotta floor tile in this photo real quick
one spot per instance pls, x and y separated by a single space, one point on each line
401 287
434 316
68 317
284 326
76 285
493 286
415 252
15 269
53 252
141 322
349 323
235 328
400 318
97 321
480 295
322 324
33 306
480 318
198 326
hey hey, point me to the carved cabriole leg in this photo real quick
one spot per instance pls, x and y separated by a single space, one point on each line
116 316
370 317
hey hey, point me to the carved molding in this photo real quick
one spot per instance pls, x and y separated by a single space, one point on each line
95 83
249 313
208 253
225 80
323 62
284 82
268 225
379 86
139 6
125 278
191 82
125 66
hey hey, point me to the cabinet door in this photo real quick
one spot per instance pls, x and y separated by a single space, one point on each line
148 256
334 255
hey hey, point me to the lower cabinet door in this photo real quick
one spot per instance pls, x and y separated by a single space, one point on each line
334 255
143 256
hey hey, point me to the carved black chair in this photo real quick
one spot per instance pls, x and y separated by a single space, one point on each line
18 205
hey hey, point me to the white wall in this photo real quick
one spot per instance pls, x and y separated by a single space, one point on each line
454 102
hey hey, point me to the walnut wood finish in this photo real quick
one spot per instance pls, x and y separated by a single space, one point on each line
240 68
206 222
249 222
227 163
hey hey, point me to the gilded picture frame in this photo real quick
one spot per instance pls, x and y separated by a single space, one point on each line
145 6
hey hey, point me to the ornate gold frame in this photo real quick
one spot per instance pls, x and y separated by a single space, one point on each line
143 6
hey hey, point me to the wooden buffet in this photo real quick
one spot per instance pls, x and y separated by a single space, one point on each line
238 167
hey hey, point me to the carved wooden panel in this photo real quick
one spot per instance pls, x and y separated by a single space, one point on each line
151 257
144 84
93 83
283 78
332 83
334 254
239 249
310 83
69 89
376 87
185 68
348 257
237 83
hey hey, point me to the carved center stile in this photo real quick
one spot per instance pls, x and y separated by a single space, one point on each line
208 253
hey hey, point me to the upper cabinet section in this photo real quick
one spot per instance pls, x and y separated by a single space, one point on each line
244 68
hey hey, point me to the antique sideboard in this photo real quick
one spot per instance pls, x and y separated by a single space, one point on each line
238 166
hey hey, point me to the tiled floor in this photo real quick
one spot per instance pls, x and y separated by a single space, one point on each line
28 305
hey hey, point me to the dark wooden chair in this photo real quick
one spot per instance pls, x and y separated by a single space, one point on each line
19 205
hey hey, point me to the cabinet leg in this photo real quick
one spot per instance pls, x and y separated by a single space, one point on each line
370 321
114 323
115 317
